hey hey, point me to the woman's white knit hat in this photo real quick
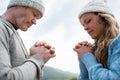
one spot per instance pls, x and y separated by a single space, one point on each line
96 6
36 4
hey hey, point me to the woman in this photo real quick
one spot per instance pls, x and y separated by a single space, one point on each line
101 60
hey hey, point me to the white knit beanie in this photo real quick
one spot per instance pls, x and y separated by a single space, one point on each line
96 6
36 4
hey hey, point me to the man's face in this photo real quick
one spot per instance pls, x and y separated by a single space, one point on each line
26 17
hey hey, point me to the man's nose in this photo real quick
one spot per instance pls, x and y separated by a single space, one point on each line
33 21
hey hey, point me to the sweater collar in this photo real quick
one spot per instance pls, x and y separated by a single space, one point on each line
13 25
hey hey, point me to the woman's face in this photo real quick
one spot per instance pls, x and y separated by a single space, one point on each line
93 24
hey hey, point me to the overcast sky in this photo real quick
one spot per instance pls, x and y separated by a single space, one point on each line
60 27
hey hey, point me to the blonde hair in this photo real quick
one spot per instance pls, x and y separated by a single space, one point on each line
111 31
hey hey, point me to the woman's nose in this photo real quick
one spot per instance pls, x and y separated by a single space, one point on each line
86 27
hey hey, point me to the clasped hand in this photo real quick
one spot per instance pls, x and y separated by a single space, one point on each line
43 50
83 47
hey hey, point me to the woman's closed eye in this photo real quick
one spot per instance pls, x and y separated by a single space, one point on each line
88 21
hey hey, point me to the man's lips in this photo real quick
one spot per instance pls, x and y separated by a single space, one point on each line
29 25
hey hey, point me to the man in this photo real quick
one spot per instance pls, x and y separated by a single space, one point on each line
15 63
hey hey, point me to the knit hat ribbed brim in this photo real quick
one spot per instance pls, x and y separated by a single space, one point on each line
36 4
96 6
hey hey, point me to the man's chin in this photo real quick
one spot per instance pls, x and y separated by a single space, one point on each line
24 29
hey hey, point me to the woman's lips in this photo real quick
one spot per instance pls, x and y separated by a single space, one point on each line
90 32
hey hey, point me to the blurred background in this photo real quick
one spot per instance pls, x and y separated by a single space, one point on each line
60 27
